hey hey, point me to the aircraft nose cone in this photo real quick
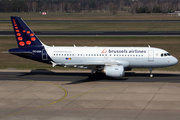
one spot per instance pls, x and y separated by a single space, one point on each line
174 61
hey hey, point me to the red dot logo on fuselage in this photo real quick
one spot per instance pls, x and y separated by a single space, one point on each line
24 31
28 32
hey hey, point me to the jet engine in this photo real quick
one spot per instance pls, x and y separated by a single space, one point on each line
114 71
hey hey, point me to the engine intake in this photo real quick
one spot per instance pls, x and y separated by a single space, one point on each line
114 71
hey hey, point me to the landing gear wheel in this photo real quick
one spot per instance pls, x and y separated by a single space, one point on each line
151 75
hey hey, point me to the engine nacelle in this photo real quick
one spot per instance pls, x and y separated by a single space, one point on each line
114 71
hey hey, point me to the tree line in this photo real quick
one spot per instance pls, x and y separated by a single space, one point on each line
72 6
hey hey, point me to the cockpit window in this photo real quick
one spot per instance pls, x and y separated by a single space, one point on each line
165 54
168 54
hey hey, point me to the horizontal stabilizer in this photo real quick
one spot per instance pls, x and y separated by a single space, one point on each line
20 52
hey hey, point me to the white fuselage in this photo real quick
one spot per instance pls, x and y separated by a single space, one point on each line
129 57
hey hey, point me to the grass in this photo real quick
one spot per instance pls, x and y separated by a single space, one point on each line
8 61
89 16
113 26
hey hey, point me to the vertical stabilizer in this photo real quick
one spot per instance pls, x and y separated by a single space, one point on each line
24 35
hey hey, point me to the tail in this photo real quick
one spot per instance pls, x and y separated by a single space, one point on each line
24 35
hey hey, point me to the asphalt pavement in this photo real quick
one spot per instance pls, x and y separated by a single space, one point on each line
70 95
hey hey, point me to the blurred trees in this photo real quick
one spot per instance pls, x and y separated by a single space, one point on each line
113 6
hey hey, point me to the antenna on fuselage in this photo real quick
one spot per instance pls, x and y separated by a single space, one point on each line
149 46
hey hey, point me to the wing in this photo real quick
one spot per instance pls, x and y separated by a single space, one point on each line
90 65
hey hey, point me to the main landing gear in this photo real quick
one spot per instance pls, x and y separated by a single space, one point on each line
151 75
93 74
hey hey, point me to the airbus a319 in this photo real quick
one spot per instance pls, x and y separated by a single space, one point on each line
113 61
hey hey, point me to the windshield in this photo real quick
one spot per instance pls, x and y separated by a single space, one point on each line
165 54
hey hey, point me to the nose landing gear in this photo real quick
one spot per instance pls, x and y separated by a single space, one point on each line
151 75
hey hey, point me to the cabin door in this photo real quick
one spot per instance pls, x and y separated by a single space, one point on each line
151 56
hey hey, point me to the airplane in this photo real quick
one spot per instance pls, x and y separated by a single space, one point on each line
113 61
